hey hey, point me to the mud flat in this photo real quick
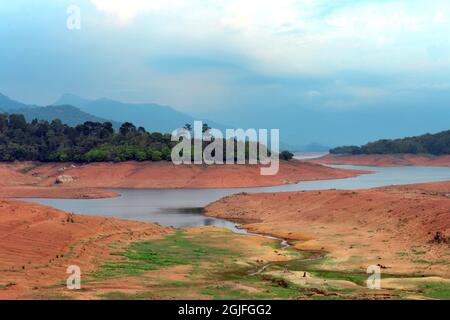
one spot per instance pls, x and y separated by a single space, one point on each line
385 160
131 260
38 180
38 243
404 229
333 236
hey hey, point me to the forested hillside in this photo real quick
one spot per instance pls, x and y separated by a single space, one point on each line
436 144
89 142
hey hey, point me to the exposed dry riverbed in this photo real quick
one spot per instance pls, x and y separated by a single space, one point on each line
126 259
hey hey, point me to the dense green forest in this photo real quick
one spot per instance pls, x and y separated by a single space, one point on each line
89 142
436 144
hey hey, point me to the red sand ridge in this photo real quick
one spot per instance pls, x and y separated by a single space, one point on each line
30 179
38 243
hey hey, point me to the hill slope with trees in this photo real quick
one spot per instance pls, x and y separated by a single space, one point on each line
54 141
46 141
435 144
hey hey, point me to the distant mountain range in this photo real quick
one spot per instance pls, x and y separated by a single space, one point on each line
312 147
74 110
153 117
66 113
7 104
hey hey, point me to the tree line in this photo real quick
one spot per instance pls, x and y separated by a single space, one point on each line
88 142
435 144
54 141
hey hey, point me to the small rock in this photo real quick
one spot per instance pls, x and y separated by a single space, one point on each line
64 179
439 237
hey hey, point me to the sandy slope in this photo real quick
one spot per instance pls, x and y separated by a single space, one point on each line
389 226
28 179
391 160
37 244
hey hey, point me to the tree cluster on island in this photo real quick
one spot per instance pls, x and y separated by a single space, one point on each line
54 141
435 144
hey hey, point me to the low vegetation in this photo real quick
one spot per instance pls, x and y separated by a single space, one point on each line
210 265
171 251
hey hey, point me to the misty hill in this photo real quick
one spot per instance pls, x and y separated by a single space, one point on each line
151 116
306 123
436 144
7 104
69 115
312 147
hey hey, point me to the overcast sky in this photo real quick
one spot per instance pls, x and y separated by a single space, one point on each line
211 56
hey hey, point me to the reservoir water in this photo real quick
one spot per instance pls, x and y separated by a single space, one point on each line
182 207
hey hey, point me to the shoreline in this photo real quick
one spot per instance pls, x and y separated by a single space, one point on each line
383 160
99 234
314 220
96 180
39 242
51 226
336 223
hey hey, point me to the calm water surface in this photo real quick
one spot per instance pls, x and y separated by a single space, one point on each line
180 207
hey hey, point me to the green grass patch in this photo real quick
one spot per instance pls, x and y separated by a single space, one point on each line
439 291
175 249
216 273
355 277
126 296
266 287
272 244
51 296
402 254
228 293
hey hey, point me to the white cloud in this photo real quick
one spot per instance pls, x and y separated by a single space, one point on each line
440 18
255 15
302 36
312 93
126 10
